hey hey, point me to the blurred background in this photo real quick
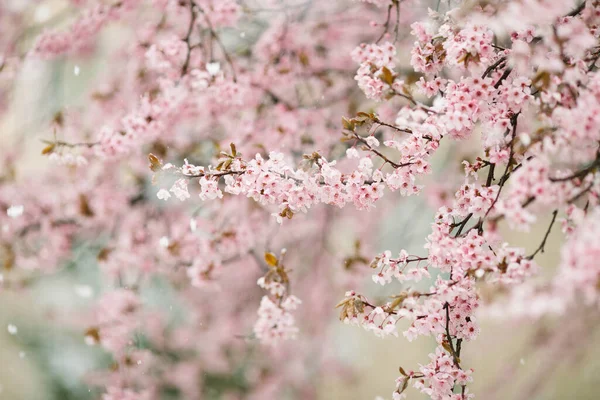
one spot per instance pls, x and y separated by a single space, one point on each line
522 359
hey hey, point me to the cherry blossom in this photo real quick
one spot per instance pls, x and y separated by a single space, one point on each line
229 165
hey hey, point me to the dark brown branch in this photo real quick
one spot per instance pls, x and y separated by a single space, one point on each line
506 173
593 62
581 194
381 155
378 121
542 245
187 39
414 102
215 36
387 23
461 225
505 75
579 174
215 174
71 145
397 4
577 10
449 337
492 67
490 177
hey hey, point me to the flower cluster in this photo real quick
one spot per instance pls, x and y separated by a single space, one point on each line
275 320
375 74
82 32
273 181
579 274
441 375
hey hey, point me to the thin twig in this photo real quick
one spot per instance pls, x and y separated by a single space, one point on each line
71 145
219 42
387 23
579 174
393 164
187 39
542 245
449 337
